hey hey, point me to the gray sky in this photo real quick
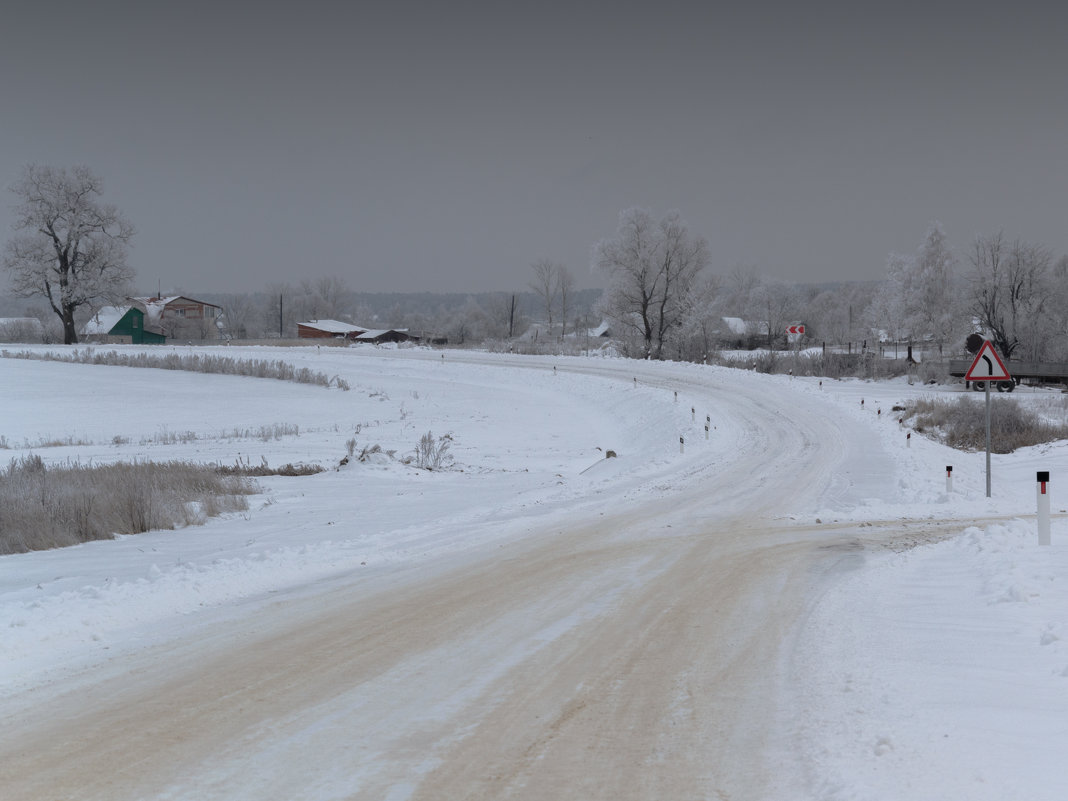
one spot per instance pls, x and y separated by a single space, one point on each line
411 146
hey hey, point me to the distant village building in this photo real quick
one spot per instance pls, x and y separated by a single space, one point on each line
180 317
335 329
603 330
121 325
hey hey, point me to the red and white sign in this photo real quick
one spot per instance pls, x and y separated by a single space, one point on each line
987 366
795 329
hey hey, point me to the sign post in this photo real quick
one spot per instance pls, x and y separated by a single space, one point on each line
987 368
798 331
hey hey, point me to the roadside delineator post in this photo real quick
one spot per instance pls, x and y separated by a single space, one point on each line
908 440
706 430
693 415
676 396
949 478
1042 490
682 446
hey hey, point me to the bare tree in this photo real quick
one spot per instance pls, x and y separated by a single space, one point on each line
565 285
1010 292
500 314
68 248
1058 346
242 315
283 308
329 295
777 304
651 268
739 289
826 316
546 286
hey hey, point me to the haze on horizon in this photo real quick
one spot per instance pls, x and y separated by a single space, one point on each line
446 148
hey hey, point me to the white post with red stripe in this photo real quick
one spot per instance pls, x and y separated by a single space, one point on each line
1043 507
949 479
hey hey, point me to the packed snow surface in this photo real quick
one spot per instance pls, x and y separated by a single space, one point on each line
934 668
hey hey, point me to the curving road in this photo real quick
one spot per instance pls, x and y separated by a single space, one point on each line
641 655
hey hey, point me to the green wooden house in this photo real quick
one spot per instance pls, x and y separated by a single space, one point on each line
116 325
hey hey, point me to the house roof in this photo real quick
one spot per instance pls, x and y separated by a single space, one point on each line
333 326
375 334
162 302
104 320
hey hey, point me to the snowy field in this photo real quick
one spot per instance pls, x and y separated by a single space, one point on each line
937 671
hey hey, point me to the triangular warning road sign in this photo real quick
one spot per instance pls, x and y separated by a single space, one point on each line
987 366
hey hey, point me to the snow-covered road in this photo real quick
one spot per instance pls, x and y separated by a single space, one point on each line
548 624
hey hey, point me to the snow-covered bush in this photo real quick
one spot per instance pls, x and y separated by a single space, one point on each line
194 362
433 454
45 507
962 424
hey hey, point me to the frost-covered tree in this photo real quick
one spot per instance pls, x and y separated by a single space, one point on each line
917 301
68 247
469 323
886 314
700 327
651 267
933 302
836 315
326 297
